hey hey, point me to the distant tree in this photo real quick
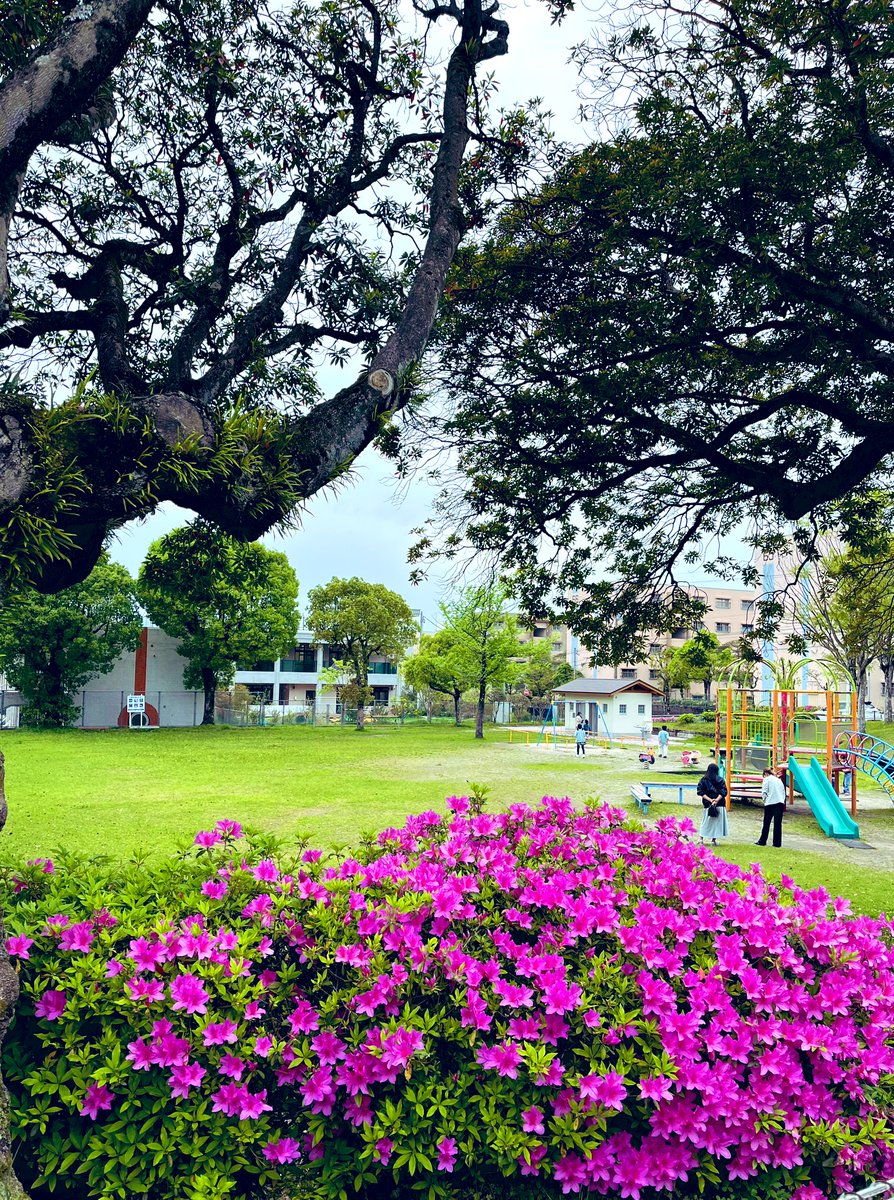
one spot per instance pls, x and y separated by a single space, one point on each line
359 619
228 602
848 610
439 665
52 645
661 662
701 657
542 671
487 638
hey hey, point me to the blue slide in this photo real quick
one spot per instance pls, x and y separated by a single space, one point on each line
833 818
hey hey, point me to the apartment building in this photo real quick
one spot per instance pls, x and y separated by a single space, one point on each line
729 614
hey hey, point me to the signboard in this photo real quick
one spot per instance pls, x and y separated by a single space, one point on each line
136 704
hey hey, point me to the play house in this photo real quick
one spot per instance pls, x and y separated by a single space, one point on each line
616 707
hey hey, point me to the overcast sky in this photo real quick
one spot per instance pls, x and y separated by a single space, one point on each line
363 528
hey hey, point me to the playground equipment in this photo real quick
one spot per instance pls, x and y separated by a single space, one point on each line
814 786
806 722
551 719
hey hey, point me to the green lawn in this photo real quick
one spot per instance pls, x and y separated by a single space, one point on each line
119 793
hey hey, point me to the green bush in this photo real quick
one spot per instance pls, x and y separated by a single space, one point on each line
686 719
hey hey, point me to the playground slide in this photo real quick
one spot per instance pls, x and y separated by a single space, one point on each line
831 815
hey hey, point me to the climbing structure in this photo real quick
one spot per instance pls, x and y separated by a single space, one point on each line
808 712
871 755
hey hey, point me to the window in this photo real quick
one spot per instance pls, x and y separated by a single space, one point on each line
541 632
747 628
722 626
605 708
654 674
676 634
310 697
641 710
332 654
261 691
300 658
266 664
723 602
381 668
747 605
381 695
655 648
628 672
622 709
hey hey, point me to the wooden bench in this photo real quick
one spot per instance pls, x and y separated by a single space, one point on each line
640 793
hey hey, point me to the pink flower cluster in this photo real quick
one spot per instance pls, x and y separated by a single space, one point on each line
615 1007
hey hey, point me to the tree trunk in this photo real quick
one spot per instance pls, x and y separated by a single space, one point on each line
888 670
860 676
10 1188
479 712
457 697
208 685
363 681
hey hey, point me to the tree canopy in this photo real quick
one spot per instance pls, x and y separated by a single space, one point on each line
229 603
439 665
50 646
690 325
486 637
359 619
219 225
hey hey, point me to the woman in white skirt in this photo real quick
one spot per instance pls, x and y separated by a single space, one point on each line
712 790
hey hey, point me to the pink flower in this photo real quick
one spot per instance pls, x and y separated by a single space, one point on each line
146 955
659 1087
45 863
229 828
231 1065
207 838
150 991
607 1090
189 995
253 1105
266 871
220 1033
253 1011
140 1055
216 890
383 1149
283 1150
185 1076
532 1120
263 1046
77 937
113 968
51 1006
446 1154
18 946
97 1099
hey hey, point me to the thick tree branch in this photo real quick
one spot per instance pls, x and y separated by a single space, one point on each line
53 87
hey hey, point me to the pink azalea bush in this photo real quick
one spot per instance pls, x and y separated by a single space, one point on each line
546 999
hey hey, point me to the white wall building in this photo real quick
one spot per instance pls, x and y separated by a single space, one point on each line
619 707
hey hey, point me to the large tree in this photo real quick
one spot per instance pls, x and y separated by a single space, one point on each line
439 665
228 602
191 254
360 619
50 646
847 610
486 636
691 325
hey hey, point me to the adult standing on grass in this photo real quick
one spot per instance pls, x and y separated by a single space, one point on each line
773 795
580 739
712 789
663 739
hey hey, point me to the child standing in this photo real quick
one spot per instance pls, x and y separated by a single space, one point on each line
580 739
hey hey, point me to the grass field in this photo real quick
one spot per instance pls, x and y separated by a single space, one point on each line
121 793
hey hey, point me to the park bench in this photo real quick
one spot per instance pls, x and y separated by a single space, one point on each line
642 792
